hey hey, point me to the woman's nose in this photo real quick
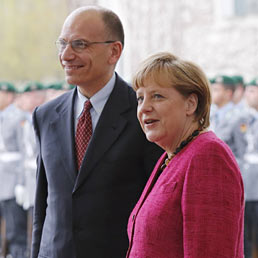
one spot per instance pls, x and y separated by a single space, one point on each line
145 106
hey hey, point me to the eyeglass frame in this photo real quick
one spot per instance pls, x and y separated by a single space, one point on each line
86 44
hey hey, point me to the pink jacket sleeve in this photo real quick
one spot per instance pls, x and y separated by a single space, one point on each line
212 206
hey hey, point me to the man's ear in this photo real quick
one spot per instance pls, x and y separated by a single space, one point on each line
191 104
115 52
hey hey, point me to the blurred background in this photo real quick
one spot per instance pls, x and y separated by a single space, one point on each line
220 35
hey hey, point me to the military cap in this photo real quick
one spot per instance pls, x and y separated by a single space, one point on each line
60 86
223 79
238 79
253 82
32 86
212 80
7 86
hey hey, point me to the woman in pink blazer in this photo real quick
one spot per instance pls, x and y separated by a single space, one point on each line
193 203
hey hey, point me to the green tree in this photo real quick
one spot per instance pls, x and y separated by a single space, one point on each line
28 32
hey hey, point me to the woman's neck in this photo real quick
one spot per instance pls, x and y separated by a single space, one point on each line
185 136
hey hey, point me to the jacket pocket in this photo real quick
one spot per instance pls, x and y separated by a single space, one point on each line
167 188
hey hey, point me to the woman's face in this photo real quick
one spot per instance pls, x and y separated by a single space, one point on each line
163 113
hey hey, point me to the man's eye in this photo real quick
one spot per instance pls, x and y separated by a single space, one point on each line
79 44
62 43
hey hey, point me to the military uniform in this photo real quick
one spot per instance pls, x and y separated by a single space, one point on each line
11 174
30 165
249 124
28 142
33 93
250 173
226 125
7 91
1 216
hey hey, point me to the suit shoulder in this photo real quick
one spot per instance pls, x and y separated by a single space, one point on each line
48 111
122 81
127 90
54 103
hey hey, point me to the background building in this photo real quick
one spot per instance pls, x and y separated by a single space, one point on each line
220 35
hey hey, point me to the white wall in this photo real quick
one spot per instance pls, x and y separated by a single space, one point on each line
203 31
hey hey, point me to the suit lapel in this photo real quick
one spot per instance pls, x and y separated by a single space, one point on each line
63 127
110 125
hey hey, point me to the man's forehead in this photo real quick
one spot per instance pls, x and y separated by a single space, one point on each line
86 24
83 16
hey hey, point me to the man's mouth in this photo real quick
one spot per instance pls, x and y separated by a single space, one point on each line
72 67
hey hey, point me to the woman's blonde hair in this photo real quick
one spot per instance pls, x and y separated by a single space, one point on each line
186 77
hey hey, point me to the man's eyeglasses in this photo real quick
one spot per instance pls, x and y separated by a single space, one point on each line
78 45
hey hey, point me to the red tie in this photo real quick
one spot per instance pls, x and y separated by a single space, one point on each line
83 133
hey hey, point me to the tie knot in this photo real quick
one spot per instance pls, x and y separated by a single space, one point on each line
87 105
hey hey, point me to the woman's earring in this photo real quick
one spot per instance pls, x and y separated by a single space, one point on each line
201 121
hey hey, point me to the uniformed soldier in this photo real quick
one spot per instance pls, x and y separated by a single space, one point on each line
56 89
239 91
249 125
225 118
7 92
31 96
214 107
222 93
11 167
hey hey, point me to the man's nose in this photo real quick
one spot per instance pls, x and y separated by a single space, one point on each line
67 53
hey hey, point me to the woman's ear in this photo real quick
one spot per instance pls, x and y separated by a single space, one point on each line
191 104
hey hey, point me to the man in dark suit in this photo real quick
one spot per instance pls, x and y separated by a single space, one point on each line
82 210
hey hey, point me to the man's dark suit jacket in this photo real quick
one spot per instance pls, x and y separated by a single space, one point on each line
86 216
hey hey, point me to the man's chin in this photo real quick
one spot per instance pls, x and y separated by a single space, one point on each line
70 80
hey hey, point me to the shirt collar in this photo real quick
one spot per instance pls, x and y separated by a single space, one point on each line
98 100
226 107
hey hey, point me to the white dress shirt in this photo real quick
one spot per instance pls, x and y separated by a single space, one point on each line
98 102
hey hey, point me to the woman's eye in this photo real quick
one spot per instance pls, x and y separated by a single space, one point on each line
139 99
157 96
